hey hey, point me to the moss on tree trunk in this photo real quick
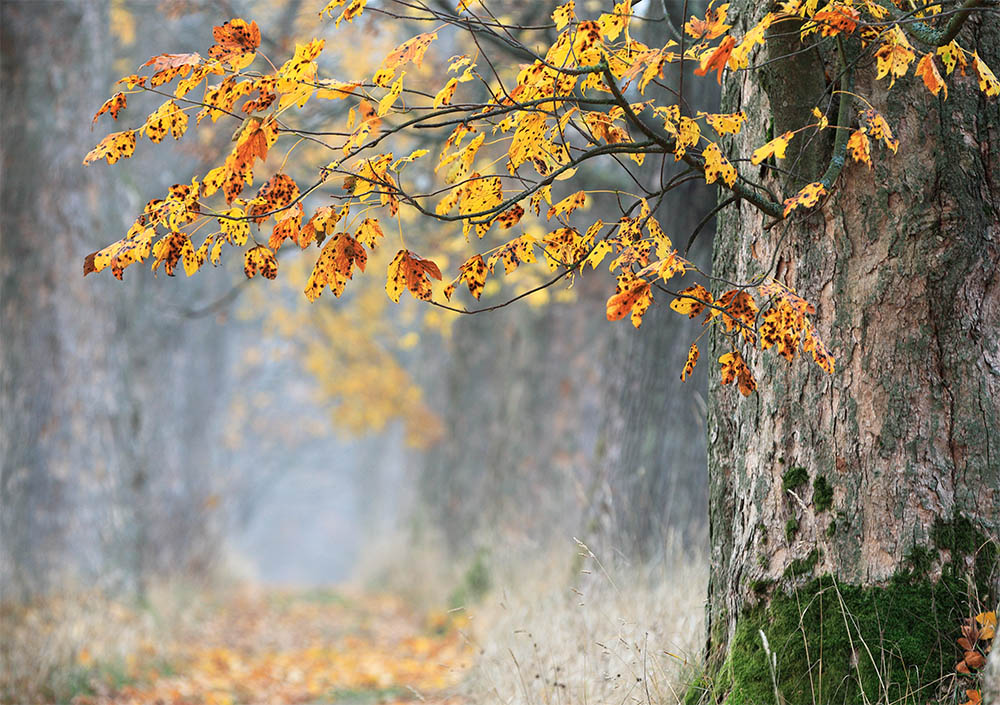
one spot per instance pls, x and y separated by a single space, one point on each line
853 516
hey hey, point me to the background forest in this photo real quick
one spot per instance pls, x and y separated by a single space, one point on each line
167 445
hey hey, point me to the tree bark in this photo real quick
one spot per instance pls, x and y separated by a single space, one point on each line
854 517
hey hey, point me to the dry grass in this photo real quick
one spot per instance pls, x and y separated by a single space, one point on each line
82 641
620 635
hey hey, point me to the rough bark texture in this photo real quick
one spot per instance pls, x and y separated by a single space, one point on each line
853 517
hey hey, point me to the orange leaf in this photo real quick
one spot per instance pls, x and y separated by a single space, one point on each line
112 105
735 368
408 271
717 59
692 360
236 43
927 70
634 298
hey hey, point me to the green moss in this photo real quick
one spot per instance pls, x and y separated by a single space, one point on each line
763 561
791 526
962 541
822 494
794 477
802 566
839 644
831 530
761 586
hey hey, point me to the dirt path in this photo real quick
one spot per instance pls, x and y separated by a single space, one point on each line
315 648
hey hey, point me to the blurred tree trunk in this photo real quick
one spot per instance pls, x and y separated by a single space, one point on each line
104 464
854 518
54 59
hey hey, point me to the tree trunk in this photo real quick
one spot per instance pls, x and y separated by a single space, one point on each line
854 517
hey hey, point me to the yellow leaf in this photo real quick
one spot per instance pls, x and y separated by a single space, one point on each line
988 83
564 14
775 147
860 147
807 197
735 369
716 165
894 56
390 97
445 95
691 301
567 205
725 123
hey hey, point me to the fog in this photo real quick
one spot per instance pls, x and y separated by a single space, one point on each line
170 442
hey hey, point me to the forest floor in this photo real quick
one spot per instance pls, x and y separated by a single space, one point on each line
277 647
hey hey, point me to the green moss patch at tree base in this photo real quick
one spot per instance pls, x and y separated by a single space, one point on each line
842 644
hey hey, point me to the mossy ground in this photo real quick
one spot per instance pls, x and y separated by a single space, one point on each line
840 644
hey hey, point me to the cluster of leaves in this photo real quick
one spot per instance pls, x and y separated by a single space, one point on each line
293 648
976 642
507 140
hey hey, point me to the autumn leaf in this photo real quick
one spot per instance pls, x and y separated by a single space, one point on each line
350 13
277 194
335 266
692 360
634 298
112 106
717 166
236 43
512 254
879 128
859 146
725 123
567 205
473 273
927 70
775 148
564 14
716 60
260 258
712 26
510 217
691 301
837 18
894 55
410 51
117 145
988 83
988 623
952 55
407 271
807 197
166 67
734 368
